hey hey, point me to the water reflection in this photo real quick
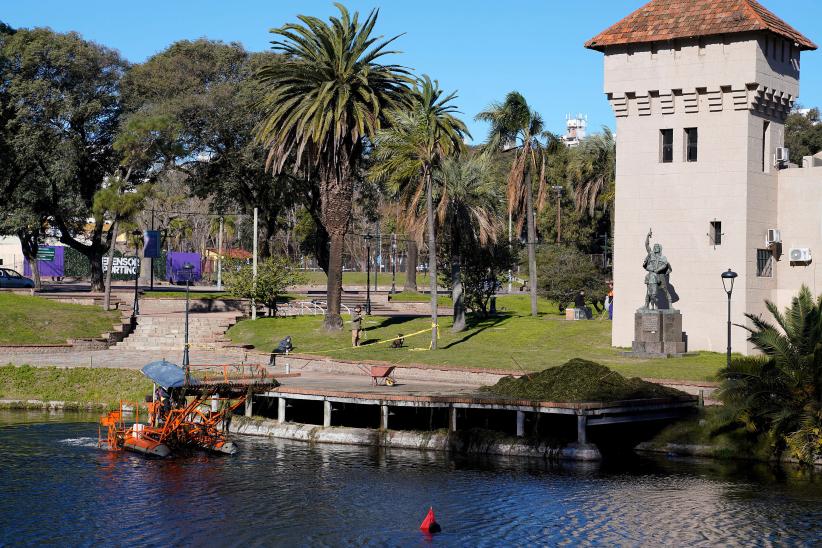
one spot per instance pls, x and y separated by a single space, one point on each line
61 490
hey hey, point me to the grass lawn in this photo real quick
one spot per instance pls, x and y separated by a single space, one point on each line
35 320
513 341
417 297
359 278
193 294
80 384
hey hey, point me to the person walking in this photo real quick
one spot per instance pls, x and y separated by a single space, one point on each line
610 303
356 326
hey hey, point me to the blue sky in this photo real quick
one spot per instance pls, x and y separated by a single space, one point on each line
481 48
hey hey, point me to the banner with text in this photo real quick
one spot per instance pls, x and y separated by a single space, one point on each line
129 266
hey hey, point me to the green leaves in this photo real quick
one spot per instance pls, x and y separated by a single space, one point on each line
274 275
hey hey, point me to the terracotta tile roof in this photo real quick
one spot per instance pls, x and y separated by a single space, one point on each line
661 20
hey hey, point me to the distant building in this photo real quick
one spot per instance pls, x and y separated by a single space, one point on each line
701 90
575 130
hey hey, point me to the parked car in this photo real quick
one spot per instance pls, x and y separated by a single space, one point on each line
12 278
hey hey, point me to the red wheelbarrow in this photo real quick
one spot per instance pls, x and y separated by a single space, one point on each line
381 375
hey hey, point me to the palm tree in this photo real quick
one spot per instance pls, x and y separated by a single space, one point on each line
592 170
410 150
468 206
780 393
514 125
327 96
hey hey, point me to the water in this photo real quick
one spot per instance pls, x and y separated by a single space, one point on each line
57 488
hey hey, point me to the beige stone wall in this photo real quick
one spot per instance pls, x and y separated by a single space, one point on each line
726 89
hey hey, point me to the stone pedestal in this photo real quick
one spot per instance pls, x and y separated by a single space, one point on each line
658 332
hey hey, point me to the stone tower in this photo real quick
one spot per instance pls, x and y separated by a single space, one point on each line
700 90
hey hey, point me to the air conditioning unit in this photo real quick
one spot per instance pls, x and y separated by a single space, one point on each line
773 237
800 255
782 156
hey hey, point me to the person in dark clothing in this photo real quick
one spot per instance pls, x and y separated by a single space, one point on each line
579 300
356 326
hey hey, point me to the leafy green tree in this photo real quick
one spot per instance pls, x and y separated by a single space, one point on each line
779 395
468 208
324 99
564 271
274 276
803 134
62 108
514 125
592 171
408 153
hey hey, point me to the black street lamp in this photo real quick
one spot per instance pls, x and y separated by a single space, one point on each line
367 239
728 283
135 308
187 268
393 263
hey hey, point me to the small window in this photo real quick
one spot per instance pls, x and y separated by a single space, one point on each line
691 144
764 263
666 146
765 146
716 233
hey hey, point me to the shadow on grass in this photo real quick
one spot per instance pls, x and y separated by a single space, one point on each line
476 325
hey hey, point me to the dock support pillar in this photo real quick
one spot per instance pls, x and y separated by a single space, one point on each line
249 403
582 426
384 417
452 419
520 424
326 413
215 403
281 410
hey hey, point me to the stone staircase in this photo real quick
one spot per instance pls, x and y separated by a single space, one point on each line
166 332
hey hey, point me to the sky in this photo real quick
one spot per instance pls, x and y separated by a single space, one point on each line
481 49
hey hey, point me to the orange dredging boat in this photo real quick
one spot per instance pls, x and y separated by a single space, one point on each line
187 411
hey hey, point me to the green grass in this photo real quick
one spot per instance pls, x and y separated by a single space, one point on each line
417 297
35 320
182 295
359 278
511 341
80 384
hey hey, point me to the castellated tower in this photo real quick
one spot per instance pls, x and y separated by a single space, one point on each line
700 90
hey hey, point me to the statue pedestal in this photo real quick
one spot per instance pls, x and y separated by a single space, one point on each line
658 333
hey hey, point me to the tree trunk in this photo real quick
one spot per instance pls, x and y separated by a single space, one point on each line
457 294
30 246
107 298
432 255
532 240
411 267
333 320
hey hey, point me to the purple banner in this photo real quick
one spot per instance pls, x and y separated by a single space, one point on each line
54 267
174 266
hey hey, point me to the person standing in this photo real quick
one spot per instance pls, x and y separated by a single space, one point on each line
610 304
356 326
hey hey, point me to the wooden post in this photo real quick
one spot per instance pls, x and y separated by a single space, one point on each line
384 417
452 419
520 424
582 424
281 410
326 413
249 402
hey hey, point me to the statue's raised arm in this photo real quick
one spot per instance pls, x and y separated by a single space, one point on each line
648 240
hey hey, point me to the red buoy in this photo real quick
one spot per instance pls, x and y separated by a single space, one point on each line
429 524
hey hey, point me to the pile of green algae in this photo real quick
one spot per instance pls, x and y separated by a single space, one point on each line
578 381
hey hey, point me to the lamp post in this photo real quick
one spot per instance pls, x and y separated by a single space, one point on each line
367 239
187 268
393 263
135 308
728 283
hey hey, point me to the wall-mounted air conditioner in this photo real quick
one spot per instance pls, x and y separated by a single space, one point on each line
800 255
773 237
782 157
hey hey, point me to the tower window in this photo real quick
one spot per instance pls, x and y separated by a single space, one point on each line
691 142
766 146
666 146
716 233
764 263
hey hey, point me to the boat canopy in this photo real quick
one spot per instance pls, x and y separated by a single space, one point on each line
166 374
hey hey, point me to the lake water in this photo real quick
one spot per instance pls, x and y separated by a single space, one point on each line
57 488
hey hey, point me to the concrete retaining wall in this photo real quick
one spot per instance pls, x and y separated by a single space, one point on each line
467 443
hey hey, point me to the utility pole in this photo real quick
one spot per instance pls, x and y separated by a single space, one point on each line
254 268
220 256
151 260
510 229
558 189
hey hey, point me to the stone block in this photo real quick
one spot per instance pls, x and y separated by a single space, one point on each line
674 347
658 332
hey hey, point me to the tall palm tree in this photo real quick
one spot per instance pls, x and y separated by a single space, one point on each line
592 170
780 393
468 207
327 96
514 125
409 151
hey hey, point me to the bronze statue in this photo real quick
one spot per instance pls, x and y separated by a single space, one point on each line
658 269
